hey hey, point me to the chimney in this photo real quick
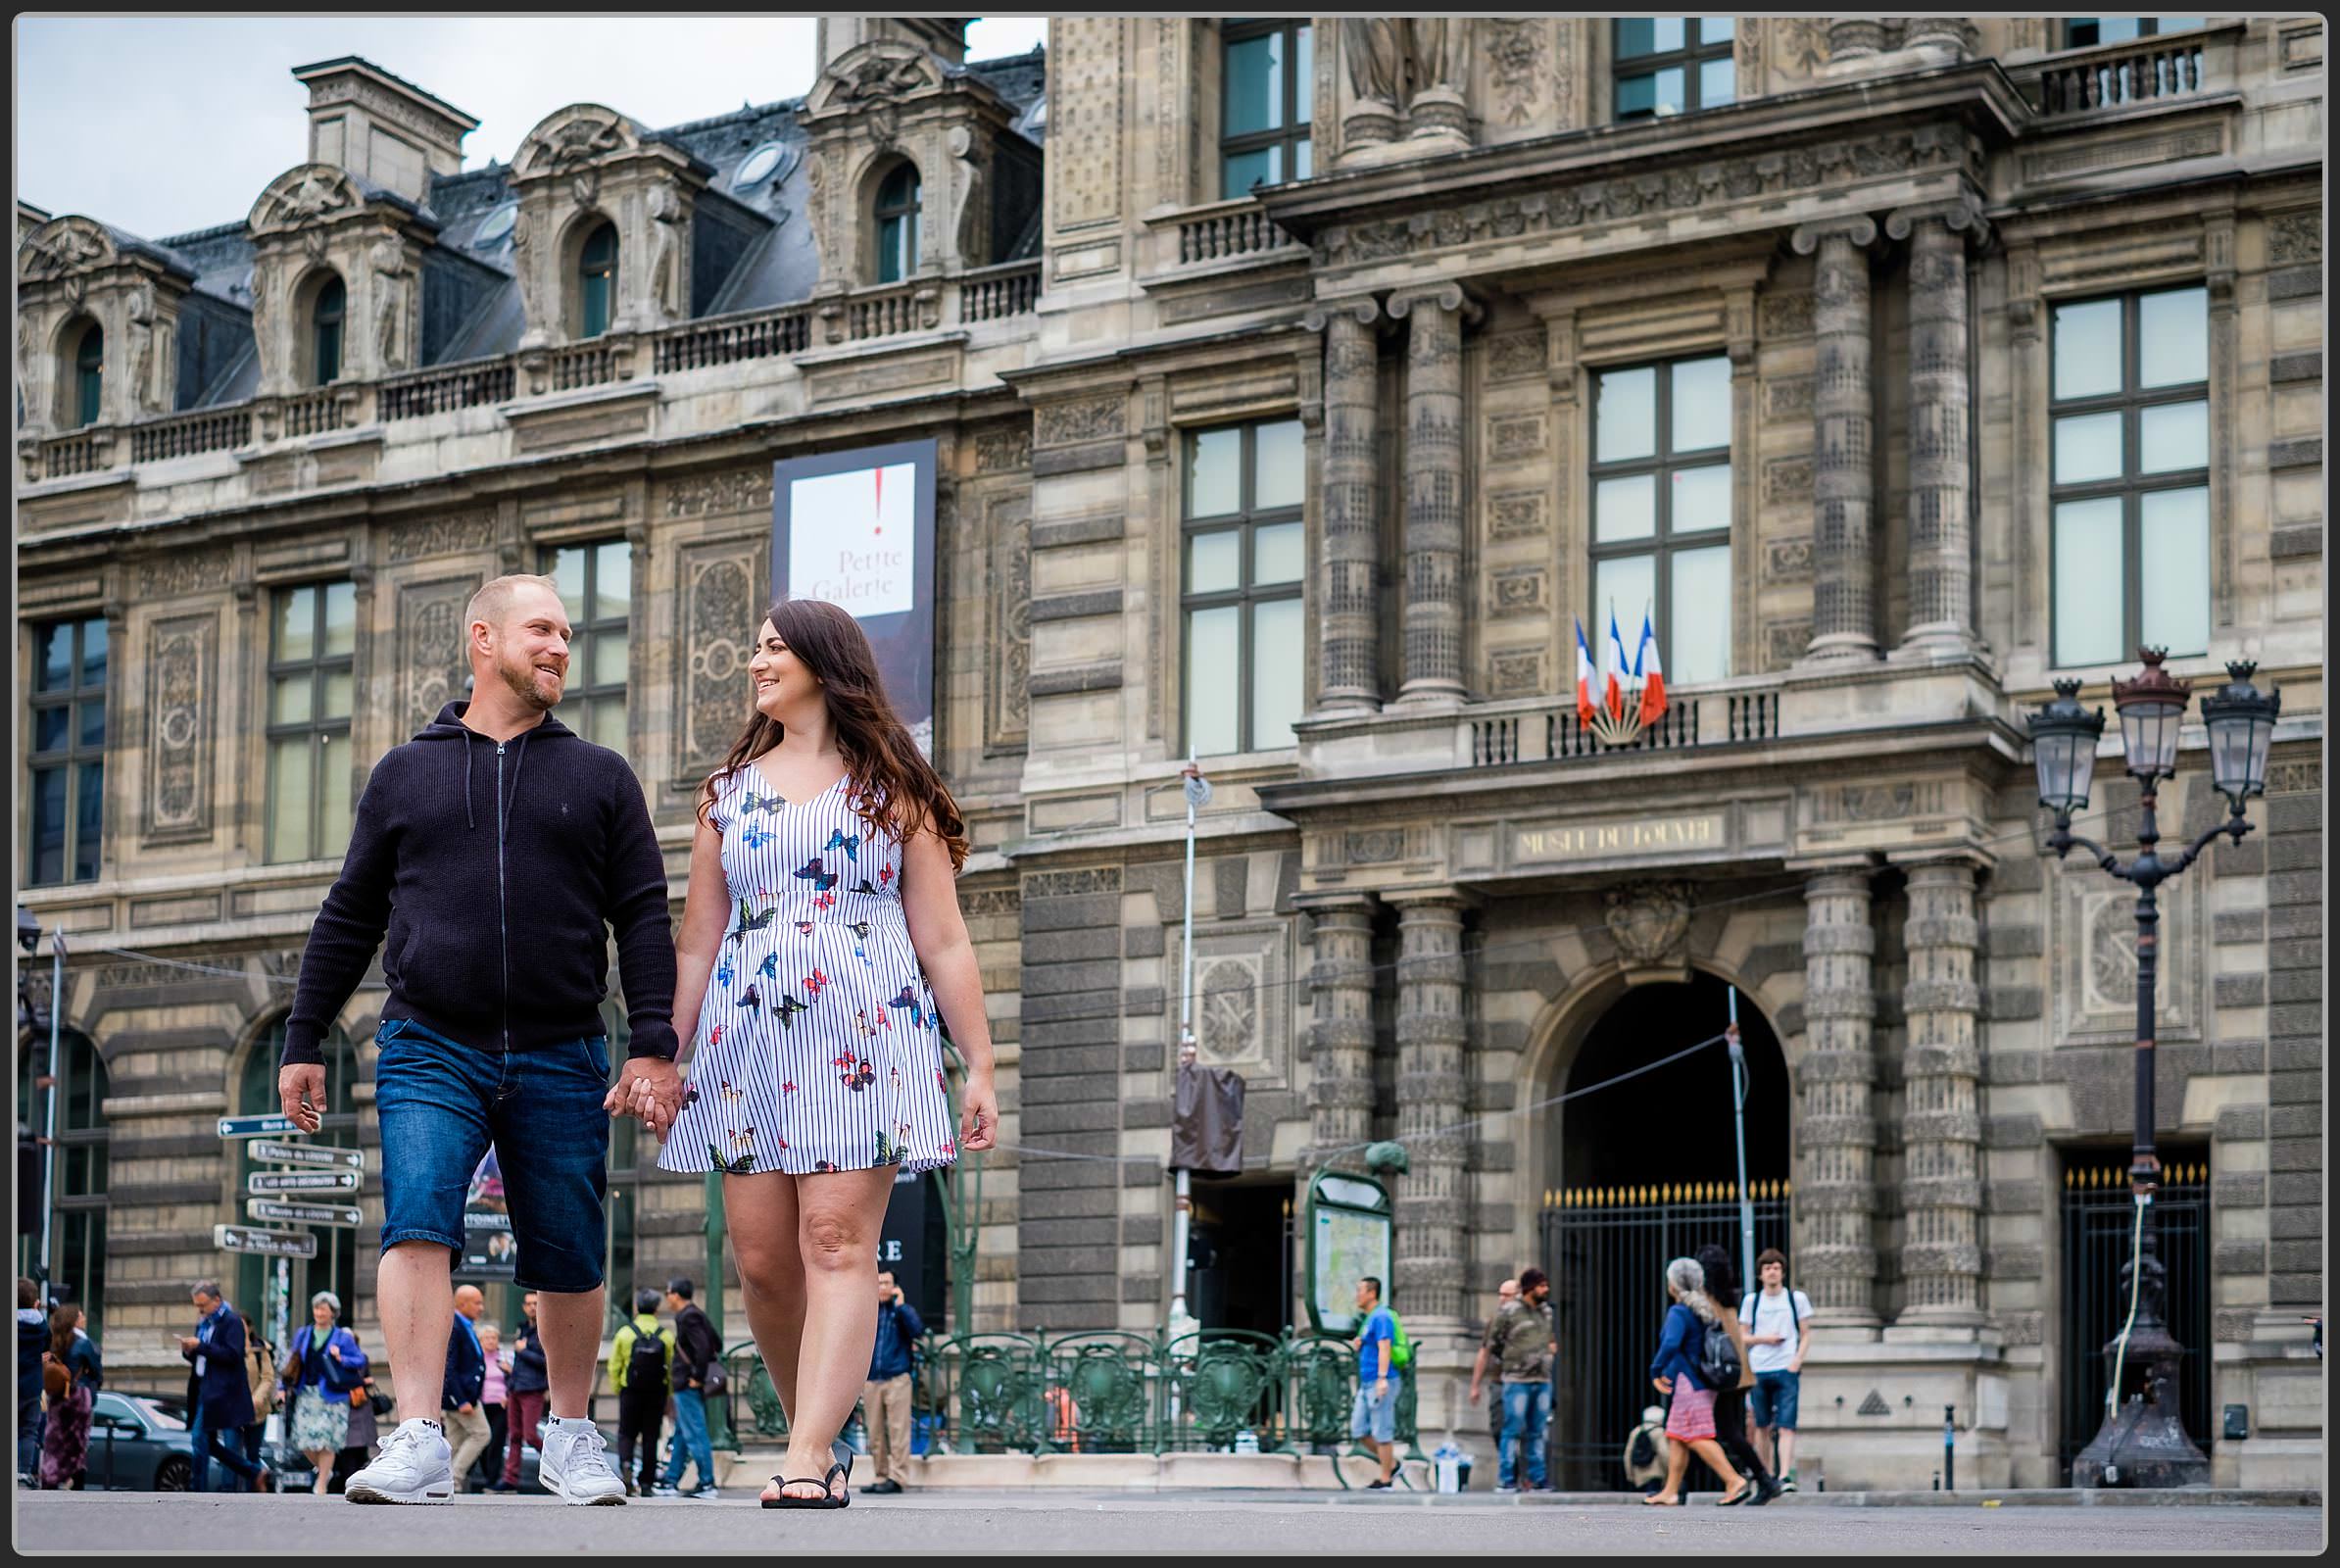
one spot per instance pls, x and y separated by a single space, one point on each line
946 36
380 129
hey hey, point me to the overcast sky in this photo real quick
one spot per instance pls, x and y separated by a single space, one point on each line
164 125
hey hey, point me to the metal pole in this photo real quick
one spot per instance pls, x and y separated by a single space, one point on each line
2144 1168
1186 1049
1738 1122
48 1154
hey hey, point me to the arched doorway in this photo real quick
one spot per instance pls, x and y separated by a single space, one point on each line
1644 1171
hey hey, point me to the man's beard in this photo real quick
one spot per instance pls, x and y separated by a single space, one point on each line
521 678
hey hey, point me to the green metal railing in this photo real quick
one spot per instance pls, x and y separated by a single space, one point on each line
1105 1391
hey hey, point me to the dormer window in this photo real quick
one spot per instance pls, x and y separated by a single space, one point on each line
90 375
897 215
325 319
597 281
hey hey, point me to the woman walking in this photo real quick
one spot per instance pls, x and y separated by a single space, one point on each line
323 1367
72 1375
1674 1371
1730 1403
821 932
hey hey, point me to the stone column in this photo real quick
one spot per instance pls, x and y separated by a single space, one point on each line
1434 482
1340 1039
1347 599
1941 1123
1433 1207
1941 456
1855 37
1833 1257
1955 34
1843 606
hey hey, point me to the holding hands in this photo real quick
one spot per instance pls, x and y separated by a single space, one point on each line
650 1090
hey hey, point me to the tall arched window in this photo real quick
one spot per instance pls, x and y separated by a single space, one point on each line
336 1266
898 225
597 280
78 1229
332 306
90 375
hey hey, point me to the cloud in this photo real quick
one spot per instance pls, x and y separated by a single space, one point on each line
161 125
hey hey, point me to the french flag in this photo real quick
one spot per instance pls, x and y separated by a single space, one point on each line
1652 672
1585 706
1618 670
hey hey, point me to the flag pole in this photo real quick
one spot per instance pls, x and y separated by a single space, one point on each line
1738 1122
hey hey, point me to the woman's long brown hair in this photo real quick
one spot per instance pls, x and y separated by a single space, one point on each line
897 787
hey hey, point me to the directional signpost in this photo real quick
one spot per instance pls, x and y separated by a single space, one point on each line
276 1153
262 1182
271 1244
254 1126
332 1214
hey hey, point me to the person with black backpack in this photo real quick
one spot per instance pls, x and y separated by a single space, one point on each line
1732 1386
698 1377
1779 1334
1694 1338
641 1375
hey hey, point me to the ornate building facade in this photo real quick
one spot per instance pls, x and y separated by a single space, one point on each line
1299 387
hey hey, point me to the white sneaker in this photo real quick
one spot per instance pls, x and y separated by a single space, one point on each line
413 1466
573 1463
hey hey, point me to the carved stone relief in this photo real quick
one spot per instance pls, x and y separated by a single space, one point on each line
1228 1008
455 533
1007 524
432 670
1057 425
1517 69
711 495
1084 132
1242 969
1515 356
1648 919
1787 314
1005 449
1516 514
175 576
1514 672
181 670
2294 236
719 600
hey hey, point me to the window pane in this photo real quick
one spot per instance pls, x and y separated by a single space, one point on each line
1303 109
289 765
1670 99
2116 30
291 699
1303 161
48 825
2087 346
1718 83
93 653
1701 499
1239 171
612 581
608 658
341 619
1279 465
2173 540
1715 29
2174 337
52 728
2088 448
2089 578
1624 509
90 809
1626 586
1215 562
1214 472
1213 675
1701 403
567 573
333 795
1648 35
296 625
1278 554
55 656
1698 622
2173 437
1636 97
1625 414
606 725
1254 84
93 721
339 686
596 303
2176 23
1277 660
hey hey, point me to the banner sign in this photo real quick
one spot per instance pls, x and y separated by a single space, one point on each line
301 1181
273 1243
256 1126
490 1250
333 1214
1349 1231
275 1154
858 530
913 1243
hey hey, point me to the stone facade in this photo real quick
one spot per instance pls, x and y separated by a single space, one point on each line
1418 915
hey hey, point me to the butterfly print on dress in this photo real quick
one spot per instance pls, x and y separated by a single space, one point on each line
851 843
814 982
752 922
907 997
749 999
787 1009
815 872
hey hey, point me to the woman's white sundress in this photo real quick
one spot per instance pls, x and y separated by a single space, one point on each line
818 1046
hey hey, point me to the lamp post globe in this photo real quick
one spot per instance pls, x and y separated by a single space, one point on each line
2152 708
2242 725
2064 737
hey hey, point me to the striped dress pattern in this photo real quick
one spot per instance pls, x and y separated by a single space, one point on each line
817 1048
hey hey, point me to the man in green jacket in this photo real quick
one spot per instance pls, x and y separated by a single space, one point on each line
641 1370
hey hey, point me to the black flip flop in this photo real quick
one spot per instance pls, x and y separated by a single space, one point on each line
825 1500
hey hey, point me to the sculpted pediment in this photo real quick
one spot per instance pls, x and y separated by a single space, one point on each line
574 137
303 196
884 71
65 246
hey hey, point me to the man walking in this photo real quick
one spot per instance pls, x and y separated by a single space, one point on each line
886 1402
32 1338
1776 1340
1521 1342
1505 1294
641 1374
524 1391
1374 1416
696 1349
465 1386
497 850
223 1402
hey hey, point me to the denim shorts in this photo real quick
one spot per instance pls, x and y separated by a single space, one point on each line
442 1105
1772 1400
1378 1417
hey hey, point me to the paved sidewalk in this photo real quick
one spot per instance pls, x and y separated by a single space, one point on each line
1195 1524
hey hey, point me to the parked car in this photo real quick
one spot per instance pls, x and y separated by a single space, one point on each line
136 1444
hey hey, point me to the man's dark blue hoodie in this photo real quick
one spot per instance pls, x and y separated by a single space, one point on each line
497 871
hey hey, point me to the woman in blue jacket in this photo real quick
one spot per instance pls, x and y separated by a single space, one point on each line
323 1367
1674 1371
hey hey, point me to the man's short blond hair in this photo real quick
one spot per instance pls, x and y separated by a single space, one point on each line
493 603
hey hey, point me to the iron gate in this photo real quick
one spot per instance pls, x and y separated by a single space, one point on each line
2099 1225
1606 1250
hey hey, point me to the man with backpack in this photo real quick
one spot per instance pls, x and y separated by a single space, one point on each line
1382 1356
641 1365
1522 1340
1776 1343
696 1377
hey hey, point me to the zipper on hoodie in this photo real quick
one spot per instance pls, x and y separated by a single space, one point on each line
502 923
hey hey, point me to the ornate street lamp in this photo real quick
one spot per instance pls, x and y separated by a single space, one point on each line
2143 1442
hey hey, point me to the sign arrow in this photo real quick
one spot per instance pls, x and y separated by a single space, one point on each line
273 1243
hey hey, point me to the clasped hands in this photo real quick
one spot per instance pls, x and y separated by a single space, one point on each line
650 1090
